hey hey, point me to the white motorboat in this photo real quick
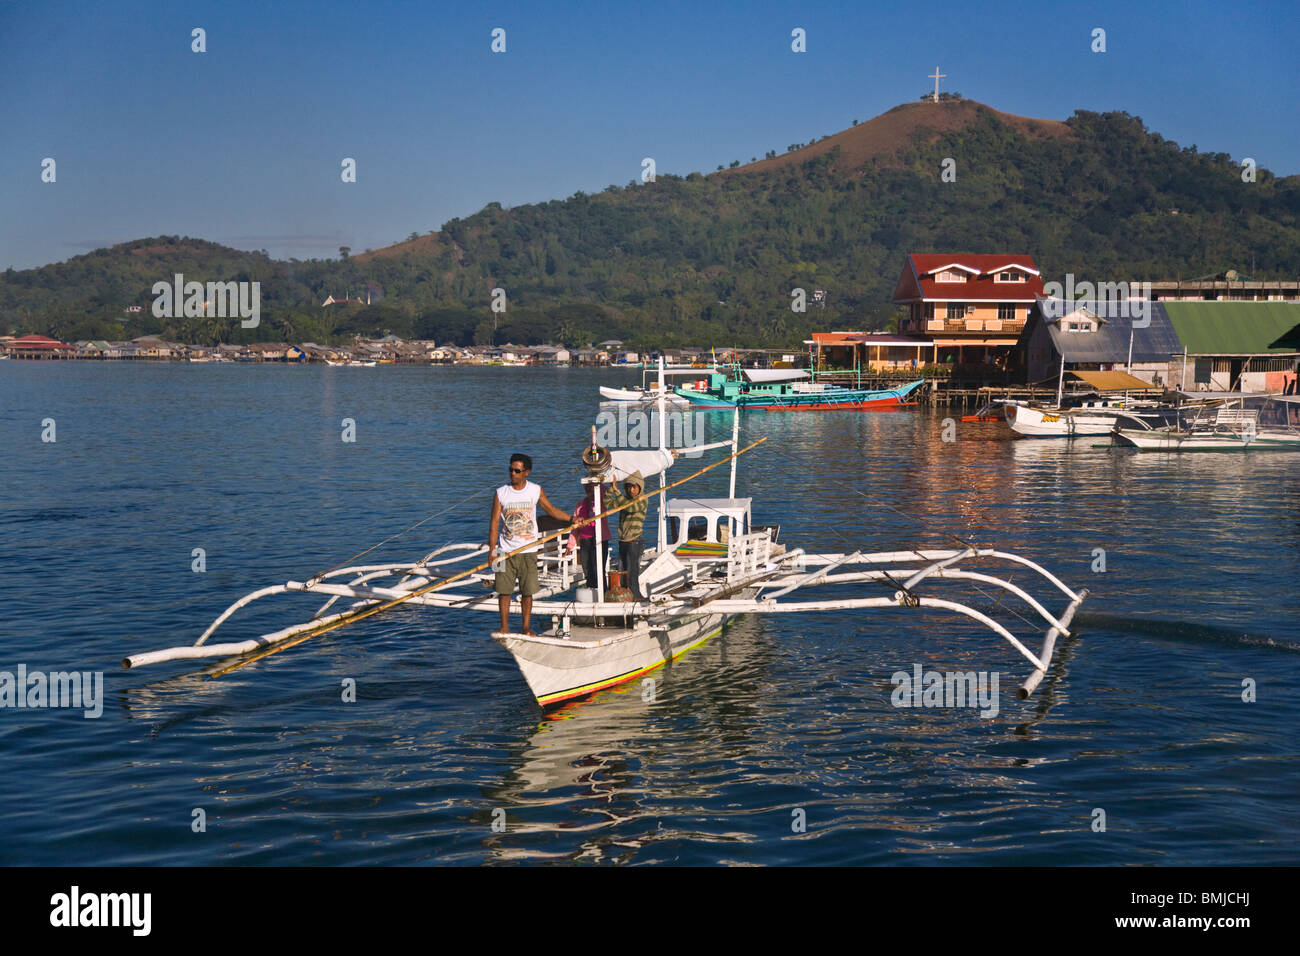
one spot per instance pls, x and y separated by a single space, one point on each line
649 391
642 395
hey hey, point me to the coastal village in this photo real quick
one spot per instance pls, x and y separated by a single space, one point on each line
967 322
419 435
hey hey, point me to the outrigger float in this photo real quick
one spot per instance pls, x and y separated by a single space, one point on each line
711 564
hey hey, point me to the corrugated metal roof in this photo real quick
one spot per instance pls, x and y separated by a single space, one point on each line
1111 381
1234 328
1154 342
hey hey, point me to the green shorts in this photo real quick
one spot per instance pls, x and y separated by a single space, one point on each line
521 568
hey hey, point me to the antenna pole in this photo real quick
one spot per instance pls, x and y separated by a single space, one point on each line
735 443
663 444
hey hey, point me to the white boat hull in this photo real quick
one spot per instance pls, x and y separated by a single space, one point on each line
558 668
1161 440
611 394
1045 423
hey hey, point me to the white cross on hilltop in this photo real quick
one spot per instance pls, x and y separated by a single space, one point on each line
937 76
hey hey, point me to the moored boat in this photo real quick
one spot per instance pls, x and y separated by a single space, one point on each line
648 391
1233 428
1090 415
789 390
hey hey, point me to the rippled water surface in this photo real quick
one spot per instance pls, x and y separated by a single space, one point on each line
779 719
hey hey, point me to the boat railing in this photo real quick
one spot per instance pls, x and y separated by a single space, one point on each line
747 554
557 565
1237 417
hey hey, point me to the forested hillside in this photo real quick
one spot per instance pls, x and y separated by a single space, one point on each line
712 259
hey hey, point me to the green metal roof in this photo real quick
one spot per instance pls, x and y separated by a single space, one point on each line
1234 328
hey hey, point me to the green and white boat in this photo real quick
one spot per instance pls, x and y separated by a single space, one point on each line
788 390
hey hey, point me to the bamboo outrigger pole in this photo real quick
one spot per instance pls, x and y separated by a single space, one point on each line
365 612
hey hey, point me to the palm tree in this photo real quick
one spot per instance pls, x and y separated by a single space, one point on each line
285 325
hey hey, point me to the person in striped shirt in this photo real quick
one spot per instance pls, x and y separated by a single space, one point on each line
631 525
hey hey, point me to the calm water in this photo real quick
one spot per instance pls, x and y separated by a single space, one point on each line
1141 717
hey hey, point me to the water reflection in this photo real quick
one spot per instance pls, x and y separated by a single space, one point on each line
593 761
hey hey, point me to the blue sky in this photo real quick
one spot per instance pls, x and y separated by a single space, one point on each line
242 144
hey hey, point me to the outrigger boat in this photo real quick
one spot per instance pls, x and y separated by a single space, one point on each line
789 390
1090 414
1234 427
1102 407
711 564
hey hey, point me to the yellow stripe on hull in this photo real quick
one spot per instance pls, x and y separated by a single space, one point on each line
622 678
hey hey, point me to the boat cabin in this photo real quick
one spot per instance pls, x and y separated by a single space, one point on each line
702 527
729 385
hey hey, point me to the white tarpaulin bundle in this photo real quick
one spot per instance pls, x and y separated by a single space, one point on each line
654 460
649 463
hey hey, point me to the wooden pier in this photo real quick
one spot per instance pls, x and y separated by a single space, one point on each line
942 390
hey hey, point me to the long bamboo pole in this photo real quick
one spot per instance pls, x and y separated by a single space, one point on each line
365 612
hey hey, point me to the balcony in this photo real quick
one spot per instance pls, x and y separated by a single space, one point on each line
1001 328
998 327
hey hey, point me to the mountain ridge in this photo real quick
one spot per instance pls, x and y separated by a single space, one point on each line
716 257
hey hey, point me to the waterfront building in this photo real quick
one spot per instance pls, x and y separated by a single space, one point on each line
1194 346
1132 335
970 308
1229 286
867 351
551 354
39 348
153 347
1245 346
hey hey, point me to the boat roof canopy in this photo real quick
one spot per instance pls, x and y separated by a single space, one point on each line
774 374
729 506
1112 381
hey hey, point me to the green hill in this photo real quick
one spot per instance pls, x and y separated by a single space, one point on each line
712 259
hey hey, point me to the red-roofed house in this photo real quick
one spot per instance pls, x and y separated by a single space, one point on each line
972 308
40 347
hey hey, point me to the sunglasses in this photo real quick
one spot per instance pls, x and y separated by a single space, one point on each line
516 471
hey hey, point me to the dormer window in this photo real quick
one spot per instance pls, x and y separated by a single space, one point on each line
1009 277
1083 326
951 275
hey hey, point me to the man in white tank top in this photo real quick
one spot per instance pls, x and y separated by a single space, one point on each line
513 526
